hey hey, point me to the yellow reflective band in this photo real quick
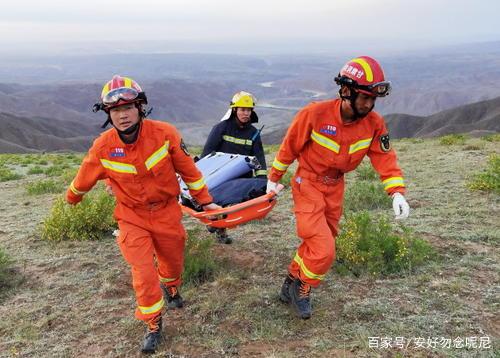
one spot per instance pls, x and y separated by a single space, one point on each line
75 190
305 270
392 182
362 144
158 155
279 165
127 82
166 280
325 142
235 140
152 309
105 90
366 68
197 185
261 172
118 167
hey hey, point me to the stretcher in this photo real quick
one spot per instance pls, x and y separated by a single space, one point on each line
218 168
234 215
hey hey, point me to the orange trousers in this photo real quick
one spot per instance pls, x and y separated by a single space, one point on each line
317 208
152 241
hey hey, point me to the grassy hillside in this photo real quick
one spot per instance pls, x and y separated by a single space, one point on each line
76 299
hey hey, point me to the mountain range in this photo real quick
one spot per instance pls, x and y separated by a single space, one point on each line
478 118
45 102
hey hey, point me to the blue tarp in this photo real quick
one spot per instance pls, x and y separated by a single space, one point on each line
239 190
223 174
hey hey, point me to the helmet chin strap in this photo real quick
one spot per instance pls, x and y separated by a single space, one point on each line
353 95
130 134
129 130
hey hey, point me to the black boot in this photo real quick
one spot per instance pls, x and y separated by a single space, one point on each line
300 296
211 229
222 237
173 297
285 289
153 335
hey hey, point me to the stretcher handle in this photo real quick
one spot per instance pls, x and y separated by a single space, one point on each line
235 208
214 215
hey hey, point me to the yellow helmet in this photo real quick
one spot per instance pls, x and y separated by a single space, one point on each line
243 99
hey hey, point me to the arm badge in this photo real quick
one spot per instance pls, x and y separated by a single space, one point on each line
385 143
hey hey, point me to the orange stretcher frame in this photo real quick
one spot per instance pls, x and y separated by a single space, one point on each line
232 216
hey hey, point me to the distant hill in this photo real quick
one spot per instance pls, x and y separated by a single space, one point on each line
21 134
476 118
192 91
479 116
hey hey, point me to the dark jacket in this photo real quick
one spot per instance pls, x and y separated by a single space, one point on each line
229 137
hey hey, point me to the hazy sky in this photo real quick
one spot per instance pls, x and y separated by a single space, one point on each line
257 23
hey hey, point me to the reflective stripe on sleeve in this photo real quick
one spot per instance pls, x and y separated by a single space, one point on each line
279 165
196 185
75 190
392 182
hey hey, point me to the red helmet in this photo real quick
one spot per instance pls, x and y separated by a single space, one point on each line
120 90
365 75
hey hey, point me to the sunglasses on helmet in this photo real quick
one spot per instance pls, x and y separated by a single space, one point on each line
379 89
124 94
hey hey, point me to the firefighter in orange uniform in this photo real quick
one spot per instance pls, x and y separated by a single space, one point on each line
330 138
140 158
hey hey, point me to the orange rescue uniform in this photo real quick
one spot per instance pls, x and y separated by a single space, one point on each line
143 178
327 148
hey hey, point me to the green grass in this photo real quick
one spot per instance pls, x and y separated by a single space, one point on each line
199 263
45 187
75 290
35 170
453 139
5 275
91 219
492 137
368 245
56 170
366 172
7 174
365 195
489 179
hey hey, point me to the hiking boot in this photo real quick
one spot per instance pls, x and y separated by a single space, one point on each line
222 237
153 335
211 229
300 297
174 299
285 289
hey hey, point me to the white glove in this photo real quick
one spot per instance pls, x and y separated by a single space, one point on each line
400 206
271 186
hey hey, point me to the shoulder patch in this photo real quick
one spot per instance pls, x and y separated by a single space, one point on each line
184 148
385 143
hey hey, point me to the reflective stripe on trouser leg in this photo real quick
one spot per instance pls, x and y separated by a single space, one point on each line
316 228
169 239
137 248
